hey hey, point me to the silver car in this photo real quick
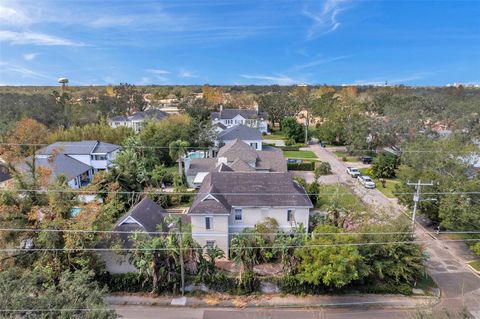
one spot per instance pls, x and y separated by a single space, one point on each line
366 181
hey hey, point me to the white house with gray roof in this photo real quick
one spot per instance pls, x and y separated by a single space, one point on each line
78 161
248 135
136 121
249 117
230 201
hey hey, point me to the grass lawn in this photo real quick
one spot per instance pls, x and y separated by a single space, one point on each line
299 154
346 199
274 136
475 264
389 188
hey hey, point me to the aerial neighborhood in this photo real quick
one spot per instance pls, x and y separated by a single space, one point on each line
244 194
240 159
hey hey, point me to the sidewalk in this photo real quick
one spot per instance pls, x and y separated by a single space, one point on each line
278 301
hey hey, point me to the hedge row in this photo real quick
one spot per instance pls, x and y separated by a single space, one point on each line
305 166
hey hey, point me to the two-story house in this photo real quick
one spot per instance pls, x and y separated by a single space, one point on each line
246 134
228 202
236 156
231 117
78 161
137 120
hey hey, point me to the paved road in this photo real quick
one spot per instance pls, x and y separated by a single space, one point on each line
458 284
145 312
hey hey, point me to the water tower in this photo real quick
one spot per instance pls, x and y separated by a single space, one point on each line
63 82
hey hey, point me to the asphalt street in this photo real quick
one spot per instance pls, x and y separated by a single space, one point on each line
459 286
145 312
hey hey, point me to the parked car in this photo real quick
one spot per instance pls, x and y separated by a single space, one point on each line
353 172
293 161
366 159
366 181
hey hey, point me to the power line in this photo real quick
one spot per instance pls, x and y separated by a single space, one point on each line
39 230
87 192
243 247
208 148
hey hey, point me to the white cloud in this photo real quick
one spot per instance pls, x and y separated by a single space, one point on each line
277 79
29 56
35 38
325 18
187 74
158 71
13 16
319 62
25 72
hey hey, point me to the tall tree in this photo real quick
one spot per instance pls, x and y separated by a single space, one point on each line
178 149
277 106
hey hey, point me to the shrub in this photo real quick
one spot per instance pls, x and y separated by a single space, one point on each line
313 191
248 283
220 282
305 166
344 158
290 142
323 168
290 148
476 249
128 282
291 285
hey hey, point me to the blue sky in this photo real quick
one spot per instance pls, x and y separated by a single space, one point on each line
239 42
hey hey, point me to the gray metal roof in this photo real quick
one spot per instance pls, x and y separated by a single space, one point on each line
240 132
60 164
227 114
78 148
248 190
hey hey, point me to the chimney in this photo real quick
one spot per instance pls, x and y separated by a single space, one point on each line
256 107
222 160
221 107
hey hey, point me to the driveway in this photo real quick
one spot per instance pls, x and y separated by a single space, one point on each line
458 284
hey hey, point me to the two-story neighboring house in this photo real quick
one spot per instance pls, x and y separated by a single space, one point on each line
228 202
137 120
78 161
231 117
236 156
246 134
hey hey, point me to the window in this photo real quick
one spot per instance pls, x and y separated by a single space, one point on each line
99 157
290 215
254 145
238 214
210 244
208 222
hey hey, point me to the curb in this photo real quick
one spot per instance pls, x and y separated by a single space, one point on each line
476 272
194 302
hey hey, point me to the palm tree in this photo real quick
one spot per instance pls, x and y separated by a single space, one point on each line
178 149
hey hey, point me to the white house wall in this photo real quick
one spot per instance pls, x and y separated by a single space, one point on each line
82 158
255 215
218 233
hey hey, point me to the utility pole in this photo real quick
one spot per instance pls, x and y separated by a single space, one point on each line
306 130
416 198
